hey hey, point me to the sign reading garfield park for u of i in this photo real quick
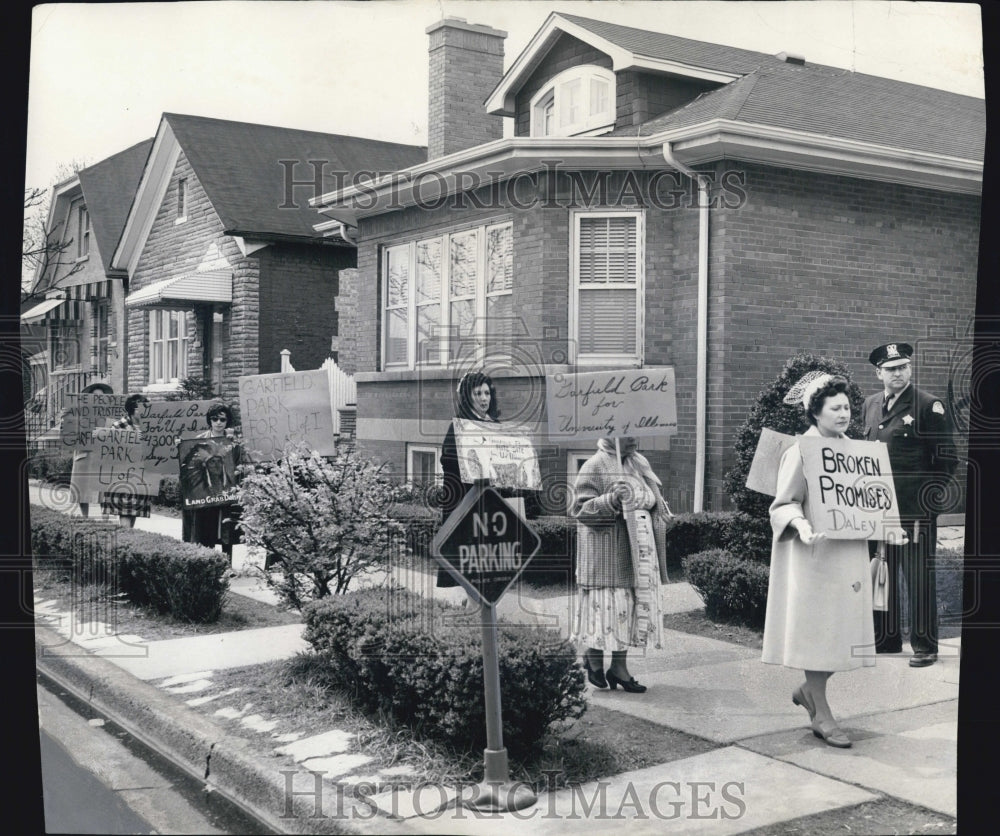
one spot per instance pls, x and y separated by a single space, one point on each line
634 402
849 483
278 410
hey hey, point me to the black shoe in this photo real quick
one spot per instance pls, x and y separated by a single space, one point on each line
894 648
596 678
922 660
631 686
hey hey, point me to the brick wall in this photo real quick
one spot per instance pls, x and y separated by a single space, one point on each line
297 298
805 262
347 318
465 64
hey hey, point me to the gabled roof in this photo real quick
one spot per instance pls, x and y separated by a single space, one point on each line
839 103
764 90
239 166
108 189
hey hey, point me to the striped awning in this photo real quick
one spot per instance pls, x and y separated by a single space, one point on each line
208 286
69 304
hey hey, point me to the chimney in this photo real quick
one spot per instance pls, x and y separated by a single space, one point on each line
466 63
791 58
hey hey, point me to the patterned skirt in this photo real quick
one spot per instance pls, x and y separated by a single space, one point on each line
608 618
125 504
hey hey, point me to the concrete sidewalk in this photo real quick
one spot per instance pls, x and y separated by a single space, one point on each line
767 768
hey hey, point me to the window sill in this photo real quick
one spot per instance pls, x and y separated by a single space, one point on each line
449 373
161 388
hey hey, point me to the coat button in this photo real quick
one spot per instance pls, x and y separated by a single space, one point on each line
881 426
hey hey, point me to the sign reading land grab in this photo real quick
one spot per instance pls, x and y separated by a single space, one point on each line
633 402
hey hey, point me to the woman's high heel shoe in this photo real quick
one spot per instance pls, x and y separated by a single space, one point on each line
829 731
596 678
799 697
630 685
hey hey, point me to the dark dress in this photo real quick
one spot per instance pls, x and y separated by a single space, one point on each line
215 524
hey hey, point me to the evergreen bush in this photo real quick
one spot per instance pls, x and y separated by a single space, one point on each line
421 662
184 580
733 588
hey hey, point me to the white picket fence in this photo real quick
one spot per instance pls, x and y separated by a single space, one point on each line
343 391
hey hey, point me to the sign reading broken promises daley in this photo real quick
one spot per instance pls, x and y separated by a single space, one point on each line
279 410
850 489
634 402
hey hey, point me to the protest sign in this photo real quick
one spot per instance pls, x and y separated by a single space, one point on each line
763 475
279 410
208 471
101 454
634 402
850 489
496 452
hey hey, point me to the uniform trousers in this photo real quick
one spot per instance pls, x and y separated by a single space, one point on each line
916 561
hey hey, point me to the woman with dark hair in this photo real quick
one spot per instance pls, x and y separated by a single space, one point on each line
127 504
476 401
819 600
621 519
217 523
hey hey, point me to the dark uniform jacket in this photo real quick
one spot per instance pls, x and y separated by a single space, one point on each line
921 451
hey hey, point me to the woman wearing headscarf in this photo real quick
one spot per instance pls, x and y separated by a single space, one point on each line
476 401
127 504
216 523
621 559
819 599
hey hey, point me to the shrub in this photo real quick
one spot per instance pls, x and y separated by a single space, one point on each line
421 662
556 557
169 495
50 467
732 588
182 579
769 410
193 388
326 520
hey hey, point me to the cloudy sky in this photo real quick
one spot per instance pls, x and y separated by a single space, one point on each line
101 74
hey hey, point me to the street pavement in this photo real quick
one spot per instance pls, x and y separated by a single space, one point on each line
767 768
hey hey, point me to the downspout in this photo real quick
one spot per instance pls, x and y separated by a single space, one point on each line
701 382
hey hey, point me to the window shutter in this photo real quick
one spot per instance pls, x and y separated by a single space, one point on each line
607 285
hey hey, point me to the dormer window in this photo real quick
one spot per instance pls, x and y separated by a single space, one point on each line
577 101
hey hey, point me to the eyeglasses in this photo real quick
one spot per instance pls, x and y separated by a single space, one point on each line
215 418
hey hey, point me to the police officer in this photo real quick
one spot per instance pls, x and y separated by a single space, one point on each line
915 425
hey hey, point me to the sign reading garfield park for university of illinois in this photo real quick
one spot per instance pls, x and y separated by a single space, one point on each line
633 402
278 410
849 483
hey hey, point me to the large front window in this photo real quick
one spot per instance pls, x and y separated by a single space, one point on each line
448 297
167 346
607 289
580 100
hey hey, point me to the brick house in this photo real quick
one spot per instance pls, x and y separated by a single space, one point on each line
224 267
662 202
74 327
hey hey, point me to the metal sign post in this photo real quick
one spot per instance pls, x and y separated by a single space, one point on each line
485 545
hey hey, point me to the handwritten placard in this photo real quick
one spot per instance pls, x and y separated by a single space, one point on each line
635 402
496 452
850 488
278 410
208 472
98 457
763 475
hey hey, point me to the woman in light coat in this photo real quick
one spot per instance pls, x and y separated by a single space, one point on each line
819 600
619 592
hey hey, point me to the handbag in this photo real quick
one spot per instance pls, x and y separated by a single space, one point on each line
880 580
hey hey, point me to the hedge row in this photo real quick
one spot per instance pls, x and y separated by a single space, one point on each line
421 661
184 580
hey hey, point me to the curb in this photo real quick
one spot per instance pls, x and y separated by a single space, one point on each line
192 742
